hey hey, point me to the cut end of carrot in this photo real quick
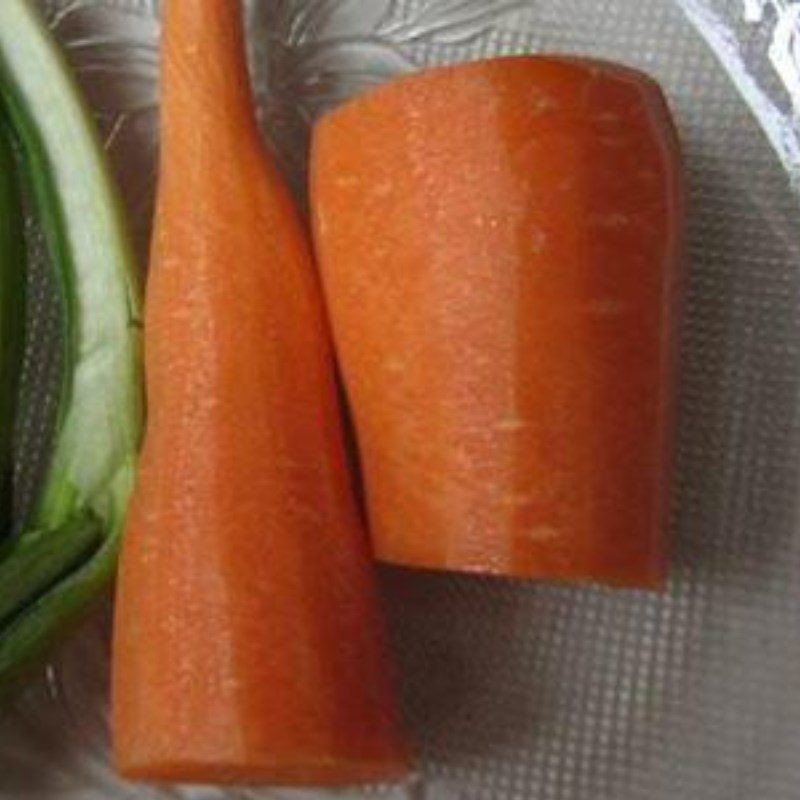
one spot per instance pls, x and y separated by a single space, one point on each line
269 772
654 580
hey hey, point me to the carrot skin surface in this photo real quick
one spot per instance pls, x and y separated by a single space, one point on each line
500 249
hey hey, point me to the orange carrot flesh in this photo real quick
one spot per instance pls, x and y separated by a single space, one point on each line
248 642
499 243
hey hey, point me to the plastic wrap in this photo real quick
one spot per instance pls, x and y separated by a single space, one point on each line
518 690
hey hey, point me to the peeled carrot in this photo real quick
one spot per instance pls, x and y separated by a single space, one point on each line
248 643
499 243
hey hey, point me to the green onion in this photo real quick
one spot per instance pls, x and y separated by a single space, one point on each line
12 300
99 421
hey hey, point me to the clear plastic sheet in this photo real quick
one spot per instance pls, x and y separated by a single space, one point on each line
517 690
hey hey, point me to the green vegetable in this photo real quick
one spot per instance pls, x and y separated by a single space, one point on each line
12 290
38 559
99 421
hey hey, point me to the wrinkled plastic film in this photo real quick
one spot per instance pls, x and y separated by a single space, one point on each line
517 690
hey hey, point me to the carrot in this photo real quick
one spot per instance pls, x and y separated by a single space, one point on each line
248 643
499 244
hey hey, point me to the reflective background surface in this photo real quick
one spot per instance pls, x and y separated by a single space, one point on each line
513 690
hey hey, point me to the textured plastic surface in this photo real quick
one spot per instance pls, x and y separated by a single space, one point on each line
528 691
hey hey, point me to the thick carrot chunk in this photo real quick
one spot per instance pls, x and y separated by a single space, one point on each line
500 248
